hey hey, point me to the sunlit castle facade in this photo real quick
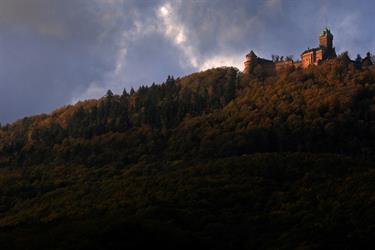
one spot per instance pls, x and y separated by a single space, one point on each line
323 52
309 57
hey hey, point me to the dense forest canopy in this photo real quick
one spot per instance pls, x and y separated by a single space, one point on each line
216 158
327 109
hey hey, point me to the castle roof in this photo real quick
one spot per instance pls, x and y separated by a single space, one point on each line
251 55
325 31
311 50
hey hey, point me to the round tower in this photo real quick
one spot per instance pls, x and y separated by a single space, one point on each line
250 60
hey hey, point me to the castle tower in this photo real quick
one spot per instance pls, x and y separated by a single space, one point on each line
250 61
326 39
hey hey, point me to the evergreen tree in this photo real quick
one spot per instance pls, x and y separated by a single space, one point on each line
125 93
109 93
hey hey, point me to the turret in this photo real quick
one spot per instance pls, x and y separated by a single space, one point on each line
326 39
250 60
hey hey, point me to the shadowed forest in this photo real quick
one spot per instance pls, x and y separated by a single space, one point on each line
216 159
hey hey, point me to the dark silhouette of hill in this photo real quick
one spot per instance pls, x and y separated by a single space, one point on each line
216 159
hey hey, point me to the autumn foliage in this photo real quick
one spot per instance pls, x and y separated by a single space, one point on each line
215 159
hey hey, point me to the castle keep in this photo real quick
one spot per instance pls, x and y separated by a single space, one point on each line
323 52
309 57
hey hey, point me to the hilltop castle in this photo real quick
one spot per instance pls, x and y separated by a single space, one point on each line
323 52
309 57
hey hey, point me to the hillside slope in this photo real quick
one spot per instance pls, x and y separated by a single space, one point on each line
216 159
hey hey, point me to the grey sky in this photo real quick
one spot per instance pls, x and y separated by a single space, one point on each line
55 52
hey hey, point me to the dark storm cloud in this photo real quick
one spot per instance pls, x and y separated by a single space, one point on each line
53 52
277 26
50 50
44 49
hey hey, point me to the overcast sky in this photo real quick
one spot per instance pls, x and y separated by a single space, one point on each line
55 52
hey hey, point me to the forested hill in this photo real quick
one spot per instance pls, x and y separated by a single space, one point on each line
219 112
216 158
